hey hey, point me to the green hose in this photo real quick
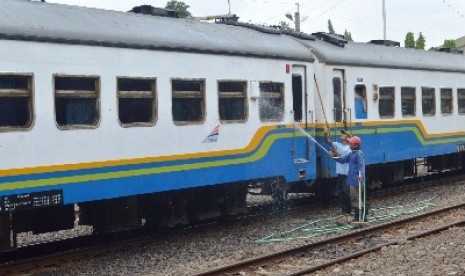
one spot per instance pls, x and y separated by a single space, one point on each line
327 226
364 201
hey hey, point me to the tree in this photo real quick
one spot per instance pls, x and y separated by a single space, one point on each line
449 43
420 42
348 36
180 7
330 27
409 40
284 26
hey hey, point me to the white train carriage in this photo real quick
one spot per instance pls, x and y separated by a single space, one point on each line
141 119
405 104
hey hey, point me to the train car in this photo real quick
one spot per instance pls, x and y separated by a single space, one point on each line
140 120
407 105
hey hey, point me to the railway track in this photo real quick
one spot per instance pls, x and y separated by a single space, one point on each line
368 238
44 256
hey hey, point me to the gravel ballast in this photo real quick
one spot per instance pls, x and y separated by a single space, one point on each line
188 252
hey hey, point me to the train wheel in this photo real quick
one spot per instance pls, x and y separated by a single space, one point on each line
279 190
235 200
374 182
175 213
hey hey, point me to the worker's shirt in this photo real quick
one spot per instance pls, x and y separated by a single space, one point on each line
356 163
343 150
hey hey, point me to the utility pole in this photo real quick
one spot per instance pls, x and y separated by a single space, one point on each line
384 19
229 5
297 19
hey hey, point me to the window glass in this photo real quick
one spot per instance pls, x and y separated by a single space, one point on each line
232 100
136 101
188 100
271 105
428 101
297 97
386 102
76 101
461 100
361 109
408 101
446 100
337 99
15 101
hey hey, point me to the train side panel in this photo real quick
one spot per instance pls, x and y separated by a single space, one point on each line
109 160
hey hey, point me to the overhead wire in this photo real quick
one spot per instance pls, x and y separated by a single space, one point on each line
453 8
331 8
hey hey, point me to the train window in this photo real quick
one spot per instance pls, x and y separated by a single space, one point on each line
15 101
428 101
271 105
337 103
232 100
188 100
461 100
136 102
76 101
361 109
446 100
386 102
408 101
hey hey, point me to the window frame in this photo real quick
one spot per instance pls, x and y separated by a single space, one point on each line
18 93
136 94
412 97
449 98
185 95
364 99
338 107
433 98
81 94
460 98
271 95
234 95
385 98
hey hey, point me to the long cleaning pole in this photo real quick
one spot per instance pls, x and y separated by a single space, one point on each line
359 197
384 20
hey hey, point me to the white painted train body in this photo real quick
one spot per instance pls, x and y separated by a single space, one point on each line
405 104
139 119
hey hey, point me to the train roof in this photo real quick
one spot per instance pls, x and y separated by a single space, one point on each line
57 23
371 55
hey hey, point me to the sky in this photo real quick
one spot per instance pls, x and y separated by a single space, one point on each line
436 19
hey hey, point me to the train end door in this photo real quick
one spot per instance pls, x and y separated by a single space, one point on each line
304 131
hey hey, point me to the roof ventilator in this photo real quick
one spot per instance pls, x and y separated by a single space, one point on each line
450 50
263 29
303 36
390 43
150 10
334 39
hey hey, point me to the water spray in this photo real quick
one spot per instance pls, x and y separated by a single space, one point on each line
310 137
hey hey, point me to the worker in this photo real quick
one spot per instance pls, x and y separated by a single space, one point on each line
341 149
356 178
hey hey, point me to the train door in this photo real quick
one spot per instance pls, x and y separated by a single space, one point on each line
300 108
339 97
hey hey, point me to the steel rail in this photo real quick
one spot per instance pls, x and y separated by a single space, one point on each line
376 248
270 258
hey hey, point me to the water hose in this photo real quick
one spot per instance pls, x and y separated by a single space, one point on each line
329 225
